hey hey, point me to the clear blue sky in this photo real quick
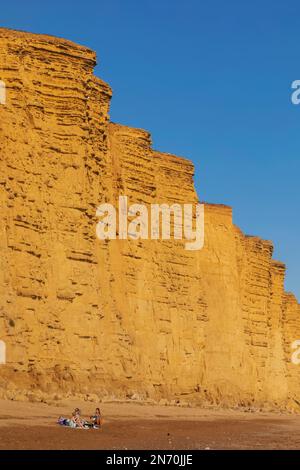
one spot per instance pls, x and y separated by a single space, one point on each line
211 81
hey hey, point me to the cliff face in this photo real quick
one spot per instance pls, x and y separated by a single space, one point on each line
123 318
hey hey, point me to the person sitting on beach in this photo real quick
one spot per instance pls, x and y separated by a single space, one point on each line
97 418
76 418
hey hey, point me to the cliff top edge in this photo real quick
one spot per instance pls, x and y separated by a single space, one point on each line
47 38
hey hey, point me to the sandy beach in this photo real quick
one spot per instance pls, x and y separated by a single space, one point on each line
26 425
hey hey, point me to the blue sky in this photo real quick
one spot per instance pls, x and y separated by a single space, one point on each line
211 81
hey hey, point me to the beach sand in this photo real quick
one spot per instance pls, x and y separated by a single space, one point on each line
25 425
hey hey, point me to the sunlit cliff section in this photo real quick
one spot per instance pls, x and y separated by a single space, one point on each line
145 319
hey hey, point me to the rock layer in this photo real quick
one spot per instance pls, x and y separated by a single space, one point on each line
121 318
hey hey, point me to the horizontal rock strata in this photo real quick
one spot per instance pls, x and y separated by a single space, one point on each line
145 319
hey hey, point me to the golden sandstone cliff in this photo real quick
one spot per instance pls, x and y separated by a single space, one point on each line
142 319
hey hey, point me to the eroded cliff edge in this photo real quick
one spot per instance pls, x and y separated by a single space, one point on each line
144 319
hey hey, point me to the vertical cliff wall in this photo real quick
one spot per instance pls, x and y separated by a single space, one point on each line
121 317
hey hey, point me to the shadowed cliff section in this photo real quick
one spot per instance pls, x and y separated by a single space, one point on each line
127 319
